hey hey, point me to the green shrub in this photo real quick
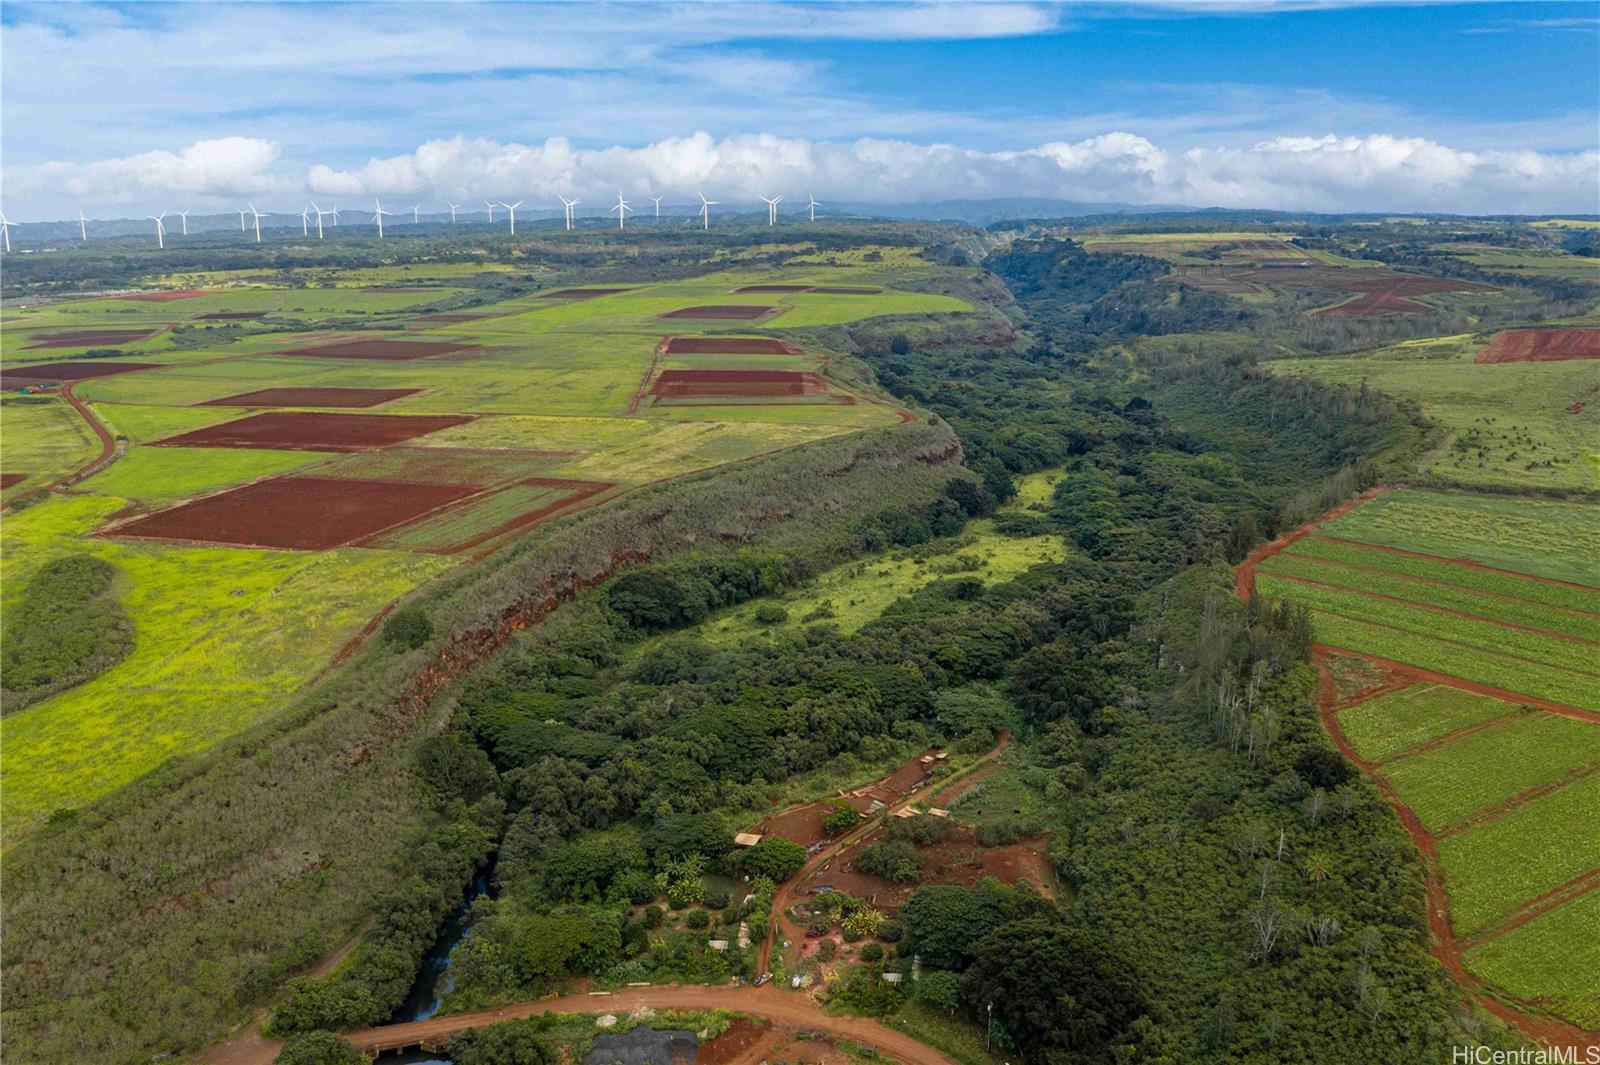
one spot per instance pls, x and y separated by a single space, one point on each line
717 898
319 1048
872 952
771 614
67 629
407 628
698 920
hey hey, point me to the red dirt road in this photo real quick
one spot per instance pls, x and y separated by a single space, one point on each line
778 1006
109 451
1541 345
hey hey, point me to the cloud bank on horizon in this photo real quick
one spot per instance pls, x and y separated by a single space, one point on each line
1330 105
1325 173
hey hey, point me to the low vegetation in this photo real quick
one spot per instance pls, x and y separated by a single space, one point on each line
67 628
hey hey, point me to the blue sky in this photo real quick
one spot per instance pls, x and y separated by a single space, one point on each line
1328 105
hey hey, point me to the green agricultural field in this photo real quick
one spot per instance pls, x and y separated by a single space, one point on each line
1449 783
222 635
1550 262
1551 960
1390 724
1514 424
1367 583
1495 868
1372 560
855 594
1547 539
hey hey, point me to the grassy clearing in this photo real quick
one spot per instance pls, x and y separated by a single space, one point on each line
1384 727
1543 263
1511 424
165 475
1451 597
855 594
1447 784
1356 605
220 636
1546 539
1495 868
44 436
1551 959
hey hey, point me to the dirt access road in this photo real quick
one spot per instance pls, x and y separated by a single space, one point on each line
784 1008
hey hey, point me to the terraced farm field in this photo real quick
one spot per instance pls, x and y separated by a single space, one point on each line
1480 617
325 450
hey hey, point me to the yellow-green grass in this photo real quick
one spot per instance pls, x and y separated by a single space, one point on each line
1533 849
1545 263
220 636
306 303
1566 223
324 276
1035 491
1564 597
1455 657
1447 784
158 475
857 593
1391 724
144 423
1540 537
1518 611
44 437
1510 423
1551 960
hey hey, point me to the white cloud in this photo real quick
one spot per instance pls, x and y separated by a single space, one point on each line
1377 172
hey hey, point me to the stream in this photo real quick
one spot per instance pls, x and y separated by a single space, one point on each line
433 979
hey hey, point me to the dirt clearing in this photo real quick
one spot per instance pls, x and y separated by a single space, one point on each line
739 383
729 346
17 376
166 297
580 293
312 397
88 338
382 350
734 312
309 431
1541 345
301 513
9 479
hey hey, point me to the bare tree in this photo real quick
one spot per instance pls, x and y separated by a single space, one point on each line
1316 805
1268 923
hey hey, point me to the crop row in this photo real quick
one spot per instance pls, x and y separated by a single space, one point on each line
1494 869
1447 784
1390 724
1446 572
1456 660
1499 639
1552 959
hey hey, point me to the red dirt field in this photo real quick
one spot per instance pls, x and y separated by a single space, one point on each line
1379 291
845 290
738 383
1541 345
9 479
311 431
958 859
802 824
301 513
772 288
580 293
231 316
729 346
312 397
735 312
381 350
29 374
88 338
166 297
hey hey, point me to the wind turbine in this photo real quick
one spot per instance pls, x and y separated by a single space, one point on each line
317 209
511 209
259 217
185 216
305 221
241 220
453 207
416 219
705 209
83 226
657 201
335 214
161 231
811 206
569 205
489 205
5 230
377 215
622 210
772 209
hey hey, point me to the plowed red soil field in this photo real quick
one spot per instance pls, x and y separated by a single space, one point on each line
729 346
17 376
381 350
166 297
674 383
579 293
959 859
9 479
310 431
312 397
1541 345
737 312
304 513
88 338
845 290
773 288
